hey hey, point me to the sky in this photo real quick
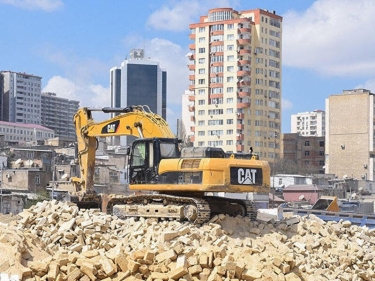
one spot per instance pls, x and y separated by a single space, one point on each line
328 45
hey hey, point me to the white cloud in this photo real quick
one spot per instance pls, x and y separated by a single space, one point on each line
176 16
368 85
332 37
95 96
46 5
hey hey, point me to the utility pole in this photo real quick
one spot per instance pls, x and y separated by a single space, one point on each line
1 188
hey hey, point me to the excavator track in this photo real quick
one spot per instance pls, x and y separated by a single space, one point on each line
161 206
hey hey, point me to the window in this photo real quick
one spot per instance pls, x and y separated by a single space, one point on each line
230 90
201 39
201 60
230 47
229 132
229 142
200 112
307 143
229 121
202 50
201 29
230 68
230 58
229 110
230 79
201 133
307 153
230 37
201 143
321 143
201 102
321 153
201 81
230 26
229 100
201 92
201 71
201 123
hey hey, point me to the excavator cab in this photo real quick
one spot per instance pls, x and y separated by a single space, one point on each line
146 155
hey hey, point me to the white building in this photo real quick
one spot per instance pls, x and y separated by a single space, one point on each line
24 133
21 97
309 123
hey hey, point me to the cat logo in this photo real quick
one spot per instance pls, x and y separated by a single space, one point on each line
111 127
246 176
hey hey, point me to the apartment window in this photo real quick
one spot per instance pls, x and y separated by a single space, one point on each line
201 70
229 100
37 179
201 92
230 58
201 123
321 143
229 121
229 132
321 153
230 90
307 143
201 29
202 50
201 102
201 143
230 68
201 60
229 110
307 153
230 79
200 112
230 26
230 47
230 37
201 133
229 142
201 39
201 81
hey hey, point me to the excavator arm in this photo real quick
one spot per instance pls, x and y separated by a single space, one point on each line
136 121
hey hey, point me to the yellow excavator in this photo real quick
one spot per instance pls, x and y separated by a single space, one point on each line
168 183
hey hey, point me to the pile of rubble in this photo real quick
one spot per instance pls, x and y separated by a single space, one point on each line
56 241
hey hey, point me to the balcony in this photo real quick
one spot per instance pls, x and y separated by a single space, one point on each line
192 46
244 30
191 57
215 74
192 118
191 67
192 36
240 116
243 62
244 94
243 104
240 137
192 87
216 43
242 83
243 42
243 73
240 147
217 64
191 108
192 138
217 32
240 126
216 85
216 96
244 51
191 98
192 77
192 128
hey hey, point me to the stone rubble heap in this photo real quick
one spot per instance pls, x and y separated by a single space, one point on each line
57 241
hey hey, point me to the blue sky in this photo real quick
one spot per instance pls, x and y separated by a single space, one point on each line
328 45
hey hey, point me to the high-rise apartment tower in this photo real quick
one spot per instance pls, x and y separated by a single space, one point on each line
21 97
235 81
309 123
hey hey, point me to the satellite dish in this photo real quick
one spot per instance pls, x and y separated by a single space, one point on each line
64 176
301 197
18 161
29 162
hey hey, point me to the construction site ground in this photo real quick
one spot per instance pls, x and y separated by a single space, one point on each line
56 241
